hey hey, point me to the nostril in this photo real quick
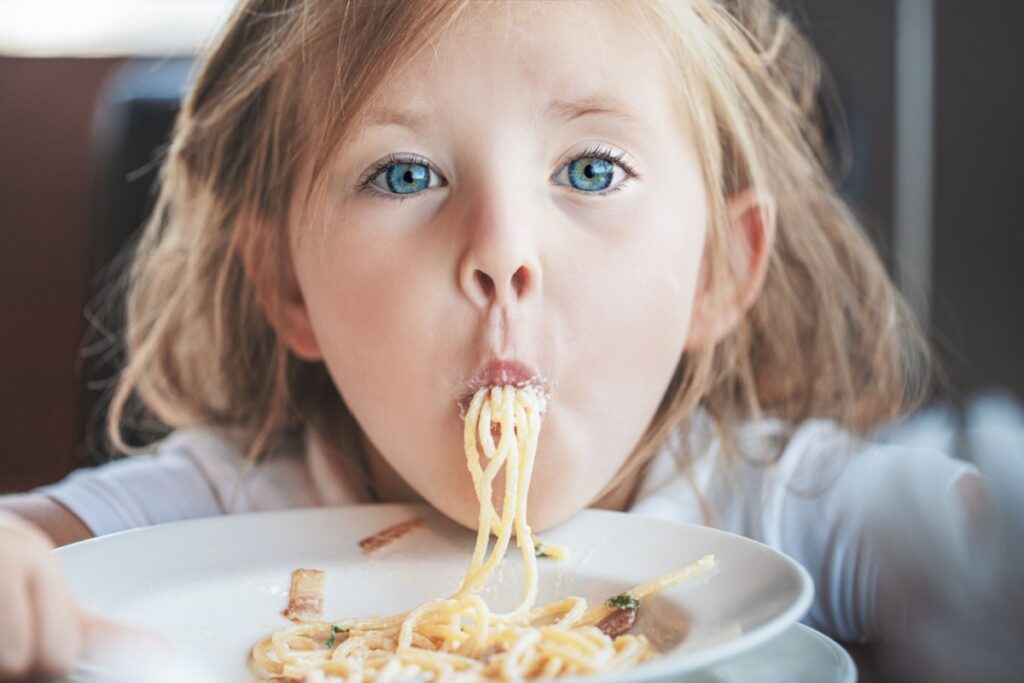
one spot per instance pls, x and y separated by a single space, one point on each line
485 282
520 279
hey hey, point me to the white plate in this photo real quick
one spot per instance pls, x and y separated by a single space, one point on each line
216 586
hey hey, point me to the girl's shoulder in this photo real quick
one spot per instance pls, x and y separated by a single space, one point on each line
193 472
741 480
280 479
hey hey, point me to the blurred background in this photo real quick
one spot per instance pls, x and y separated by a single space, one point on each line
930 90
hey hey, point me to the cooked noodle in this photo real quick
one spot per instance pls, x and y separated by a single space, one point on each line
459 638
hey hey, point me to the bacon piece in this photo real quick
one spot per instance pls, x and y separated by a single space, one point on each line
306 599
618 622
372 544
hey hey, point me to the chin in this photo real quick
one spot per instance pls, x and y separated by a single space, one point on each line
546 517
463 511
569 471
549 504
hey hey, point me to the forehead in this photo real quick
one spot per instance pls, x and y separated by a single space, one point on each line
557 61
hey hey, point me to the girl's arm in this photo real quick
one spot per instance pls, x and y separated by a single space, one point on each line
59 523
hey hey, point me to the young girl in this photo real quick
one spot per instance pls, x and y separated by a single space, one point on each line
371 209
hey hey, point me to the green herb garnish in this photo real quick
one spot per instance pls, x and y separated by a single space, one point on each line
540 552
335 630
623 601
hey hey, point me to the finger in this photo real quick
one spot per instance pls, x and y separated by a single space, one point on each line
57 632
104 638
15 624
128 652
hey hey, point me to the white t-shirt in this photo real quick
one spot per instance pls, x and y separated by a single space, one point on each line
812 501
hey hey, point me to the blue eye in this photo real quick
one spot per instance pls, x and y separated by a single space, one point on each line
591 173
594 170
397 176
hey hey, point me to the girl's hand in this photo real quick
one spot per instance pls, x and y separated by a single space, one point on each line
42 629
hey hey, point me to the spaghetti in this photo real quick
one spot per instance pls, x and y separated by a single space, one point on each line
459 638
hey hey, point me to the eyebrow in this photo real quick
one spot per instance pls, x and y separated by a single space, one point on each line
562 110
388 116
589 105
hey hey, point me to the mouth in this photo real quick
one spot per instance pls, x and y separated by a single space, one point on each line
501 373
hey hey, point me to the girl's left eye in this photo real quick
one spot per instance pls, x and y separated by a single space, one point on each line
591 172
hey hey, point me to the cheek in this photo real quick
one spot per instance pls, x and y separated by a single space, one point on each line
374 303
625 300
630 295
393 337
645 293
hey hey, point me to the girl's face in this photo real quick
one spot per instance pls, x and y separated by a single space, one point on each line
505 237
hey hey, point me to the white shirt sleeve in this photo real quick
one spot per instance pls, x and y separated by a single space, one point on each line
820 498
193 473
836 513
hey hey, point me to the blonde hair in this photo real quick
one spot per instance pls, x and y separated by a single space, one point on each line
287 82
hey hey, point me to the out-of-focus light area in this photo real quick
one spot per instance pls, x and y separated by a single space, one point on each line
105 28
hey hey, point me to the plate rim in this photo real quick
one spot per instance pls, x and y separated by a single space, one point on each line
844 670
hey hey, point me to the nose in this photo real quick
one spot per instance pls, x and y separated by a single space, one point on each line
499 265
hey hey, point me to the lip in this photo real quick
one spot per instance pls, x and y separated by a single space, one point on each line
500 373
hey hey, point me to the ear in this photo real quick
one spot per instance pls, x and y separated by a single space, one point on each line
282 303
752 216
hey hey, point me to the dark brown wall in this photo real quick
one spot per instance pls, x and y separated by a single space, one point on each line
977 291
857 42
46 208
978 294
